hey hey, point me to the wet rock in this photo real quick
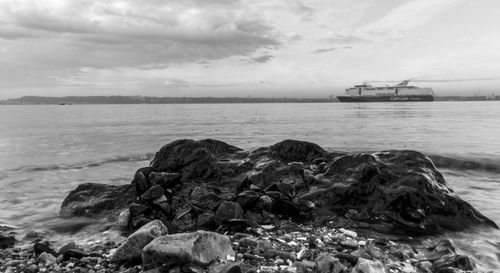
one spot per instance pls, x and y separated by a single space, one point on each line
228 210
73 253
41 247
205 198
39 234
368 266
328 264
460 262
403 188
201 247
347 257
124 219
97 200
295 150
272 253
7 240
46 259
195 160
152 193
131 249
165 180
137 209
226 268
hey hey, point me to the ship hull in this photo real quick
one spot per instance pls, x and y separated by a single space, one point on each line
394 98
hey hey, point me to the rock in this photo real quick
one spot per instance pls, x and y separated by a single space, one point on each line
195 160
205 220
165 180
226 268
295 150
460 262
328 264
349 243
46 259
368 266
152 193
201 247
7 240
97 200
131 249
272 253
124 219
347 257
73 253
41 247
401 187
137 209
205 198
228 210
40 234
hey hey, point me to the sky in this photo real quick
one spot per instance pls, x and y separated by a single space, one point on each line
260 48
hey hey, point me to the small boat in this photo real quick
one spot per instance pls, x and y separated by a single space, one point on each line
400 92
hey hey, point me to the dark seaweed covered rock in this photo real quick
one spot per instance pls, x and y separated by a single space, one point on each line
402 190
97 200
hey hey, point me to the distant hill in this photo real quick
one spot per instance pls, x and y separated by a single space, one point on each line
153 100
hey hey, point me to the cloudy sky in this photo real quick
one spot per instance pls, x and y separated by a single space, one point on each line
308 48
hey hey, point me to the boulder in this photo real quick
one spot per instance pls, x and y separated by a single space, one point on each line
403 188
197 248
131 249
194 160
368 266
295 150
97 200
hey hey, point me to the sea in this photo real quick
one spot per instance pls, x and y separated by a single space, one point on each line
47 150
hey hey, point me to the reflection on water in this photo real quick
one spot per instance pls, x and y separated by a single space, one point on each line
47 150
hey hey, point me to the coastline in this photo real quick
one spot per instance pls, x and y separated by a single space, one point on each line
263 242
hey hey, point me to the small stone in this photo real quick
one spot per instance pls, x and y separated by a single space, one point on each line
153 193
228 210
328 264
137 209
46 259
367 266
348 233
123 218
279 262
349 243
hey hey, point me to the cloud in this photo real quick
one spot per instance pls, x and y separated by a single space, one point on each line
117 33
263 59
410 15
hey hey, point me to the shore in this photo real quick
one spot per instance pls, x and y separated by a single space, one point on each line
290 207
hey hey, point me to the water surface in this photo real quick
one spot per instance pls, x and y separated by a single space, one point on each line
47 150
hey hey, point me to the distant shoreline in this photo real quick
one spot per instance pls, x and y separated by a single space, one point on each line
36 100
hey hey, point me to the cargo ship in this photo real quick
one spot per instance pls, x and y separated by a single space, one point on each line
399 92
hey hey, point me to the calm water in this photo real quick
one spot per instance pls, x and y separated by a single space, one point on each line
46 150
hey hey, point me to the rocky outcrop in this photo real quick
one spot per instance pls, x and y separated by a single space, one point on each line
396 191
192 184
198 248
97 200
